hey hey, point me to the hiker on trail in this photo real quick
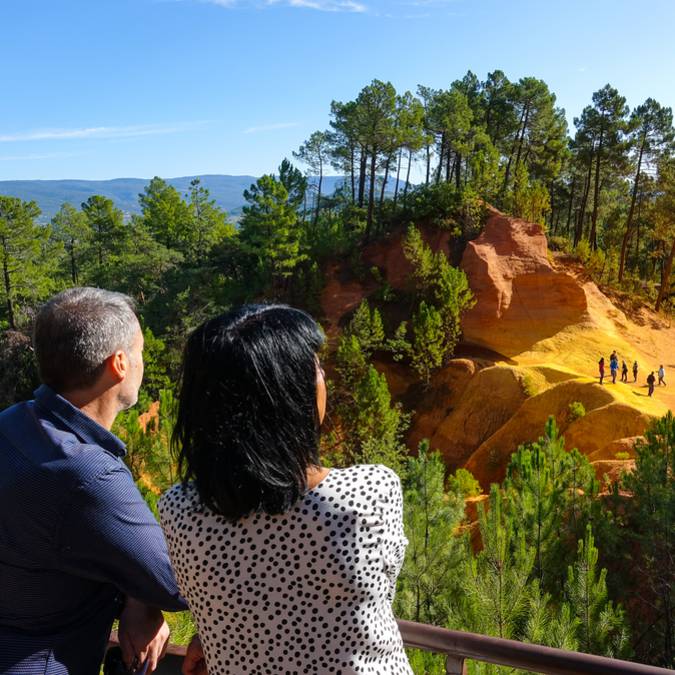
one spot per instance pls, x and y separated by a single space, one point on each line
650 381
662 374
624 372
601 368
614 366
635 371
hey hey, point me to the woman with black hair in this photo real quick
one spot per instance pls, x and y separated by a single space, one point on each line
288 567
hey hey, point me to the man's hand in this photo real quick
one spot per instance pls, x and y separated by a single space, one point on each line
194 662
143 635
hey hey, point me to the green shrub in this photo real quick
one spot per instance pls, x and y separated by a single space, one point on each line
582 251
435 204
463 482
529 387
622 455
576 410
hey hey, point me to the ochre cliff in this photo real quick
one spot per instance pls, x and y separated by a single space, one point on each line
530 349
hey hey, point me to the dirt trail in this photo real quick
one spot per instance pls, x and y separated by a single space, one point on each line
577 349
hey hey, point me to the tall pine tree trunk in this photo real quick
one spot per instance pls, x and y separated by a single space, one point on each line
665 278
631 211
351 172
73 265
458 168
593 234
384 182
637 229
407 174
522 137
398 174
426 181
8 292
363 163
571 204
371 195
440 160
507 173
584 200
318 197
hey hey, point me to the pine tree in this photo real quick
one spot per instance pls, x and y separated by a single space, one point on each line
495 587
108 235
428 584
269 231
429 341
664 225
652 136
377 424
25 257
375 114
142 264
445 291
314 153
208 223
294 182
605 123
650 531
72 229
602 626
165 214
549 495
541 134
367 327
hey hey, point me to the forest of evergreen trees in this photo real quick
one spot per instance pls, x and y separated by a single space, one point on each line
553 560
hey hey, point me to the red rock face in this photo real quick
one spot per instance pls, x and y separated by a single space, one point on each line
520 298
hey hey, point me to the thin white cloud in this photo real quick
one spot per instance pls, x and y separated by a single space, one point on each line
428 3
318 5
34 156
270 127
93 132
326 5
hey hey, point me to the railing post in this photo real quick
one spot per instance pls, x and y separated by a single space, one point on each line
454 665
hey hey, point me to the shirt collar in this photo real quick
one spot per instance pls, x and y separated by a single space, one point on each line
82 425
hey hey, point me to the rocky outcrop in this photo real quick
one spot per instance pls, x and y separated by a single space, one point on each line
609 471
601 427
488 463
440 400
549 321
622 446
520 298
486 402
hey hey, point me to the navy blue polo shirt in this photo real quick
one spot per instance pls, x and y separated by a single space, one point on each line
75 538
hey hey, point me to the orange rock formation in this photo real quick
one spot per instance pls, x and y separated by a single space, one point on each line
545 326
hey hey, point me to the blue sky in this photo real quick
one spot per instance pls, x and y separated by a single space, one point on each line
119 88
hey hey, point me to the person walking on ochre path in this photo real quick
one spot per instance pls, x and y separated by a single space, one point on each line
635 371
650 382
662 375
79 546
601 368
614 366
624 372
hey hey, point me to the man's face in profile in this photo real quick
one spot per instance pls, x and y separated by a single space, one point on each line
128 395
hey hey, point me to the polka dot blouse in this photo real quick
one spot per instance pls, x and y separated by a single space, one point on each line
307 591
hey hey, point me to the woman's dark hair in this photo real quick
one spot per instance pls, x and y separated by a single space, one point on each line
248 426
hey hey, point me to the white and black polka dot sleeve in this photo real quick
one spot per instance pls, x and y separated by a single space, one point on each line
307 591
395 542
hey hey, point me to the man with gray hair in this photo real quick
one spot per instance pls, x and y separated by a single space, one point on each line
78 545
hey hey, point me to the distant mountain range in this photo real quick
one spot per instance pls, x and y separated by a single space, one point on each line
228 191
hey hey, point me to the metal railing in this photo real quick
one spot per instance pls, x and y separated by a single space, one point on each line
458 647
